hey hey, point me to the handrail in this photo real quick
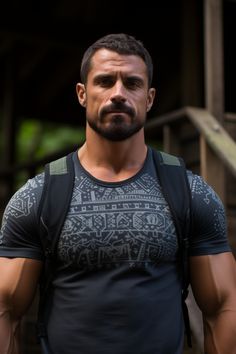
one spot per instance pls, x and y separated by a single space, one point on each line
165 119
230 117
207 125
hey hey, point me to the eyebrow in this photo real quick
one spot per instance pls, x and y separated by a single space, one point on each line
99 77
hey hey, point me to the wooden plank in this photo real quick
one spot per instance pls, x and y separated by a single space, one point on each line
230 117
190 152
171 142
216 136
168 118
213 39
211 168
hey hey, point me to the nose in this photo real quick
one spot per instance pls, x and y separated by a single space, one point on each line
118 92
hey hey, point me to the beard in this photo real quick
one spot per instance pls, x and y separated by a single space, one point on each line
118 129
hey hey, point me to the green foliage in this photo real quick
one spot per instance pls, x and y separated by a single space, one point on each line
59 137
26 137
35 140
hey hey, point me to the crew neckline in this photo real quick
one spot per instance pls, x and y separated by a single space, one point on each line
79 166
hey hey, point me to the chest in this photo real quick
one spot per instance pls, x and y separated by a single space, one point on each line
109 225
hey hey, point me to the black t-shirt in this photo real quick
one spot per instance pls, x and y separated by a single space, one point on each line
117 287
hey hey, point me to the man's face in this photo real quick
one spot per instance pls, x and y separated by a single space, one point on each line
116 95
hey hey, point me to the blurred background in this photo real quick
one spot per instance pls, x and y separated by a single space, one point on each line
192 43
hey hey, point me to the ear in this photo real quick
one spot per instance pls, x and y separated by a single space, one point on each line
150 98
81 94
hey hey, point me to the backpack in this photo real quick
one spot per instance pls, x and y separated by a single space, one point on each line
173 179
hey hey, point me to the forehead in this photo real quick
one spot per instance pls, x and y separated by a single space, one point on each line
107 61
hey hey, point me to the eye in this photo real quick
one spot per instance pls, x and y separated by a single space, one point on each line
133 83
104 81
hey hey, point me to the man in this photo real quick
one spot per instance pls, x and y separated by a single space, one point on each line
117 286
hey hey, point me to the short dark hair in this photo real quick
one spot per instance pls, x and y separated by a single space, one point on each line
120 43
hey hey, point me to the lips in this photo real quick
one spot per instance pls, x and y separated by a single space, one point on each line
117 111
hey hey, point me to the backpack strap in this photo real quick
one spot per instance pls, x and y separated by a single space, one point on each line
55 200
173 179
52 211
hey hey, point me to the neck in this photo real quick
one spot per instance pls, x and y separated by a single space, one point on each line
113 161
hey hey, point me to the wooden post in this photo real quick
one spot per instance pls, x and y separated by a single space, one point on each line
171 140
214 63
212 168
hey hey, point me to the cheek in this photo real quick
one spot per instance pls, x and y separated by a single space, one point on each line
93 105
142 105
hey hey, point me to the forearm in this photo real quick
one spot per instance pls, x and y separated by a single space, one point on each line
220 333
9 333
18 283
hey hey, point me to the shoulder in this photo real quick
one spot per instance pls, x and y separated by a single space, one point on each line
25 200
206 203
19 230
29 193
203 191
209 231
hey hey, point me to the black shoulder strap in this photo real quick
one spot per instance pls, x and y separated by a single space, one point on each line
52 211
173 178
55 200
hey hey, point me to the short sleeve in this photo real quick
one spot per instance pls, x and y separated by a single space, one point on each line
19 236
209 231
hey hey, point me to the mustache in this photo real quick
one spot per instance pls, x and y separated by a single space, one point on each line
117 107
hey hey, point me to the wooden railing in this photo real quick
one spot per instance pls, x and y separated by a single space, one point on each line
209 128
217 149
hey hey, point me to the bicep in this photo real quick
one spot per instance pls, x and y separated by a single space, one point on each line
213 281
18 282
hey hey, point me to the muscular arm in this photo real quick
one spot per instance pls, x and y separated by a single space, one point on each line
18 282
213 280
